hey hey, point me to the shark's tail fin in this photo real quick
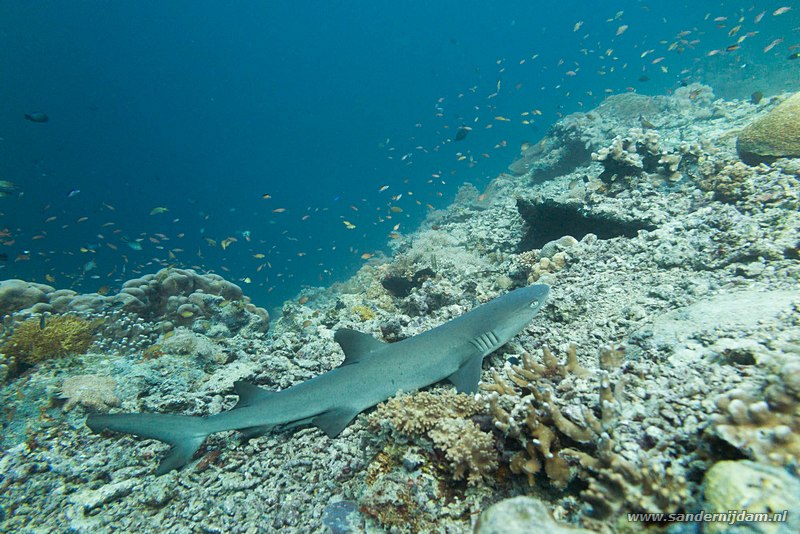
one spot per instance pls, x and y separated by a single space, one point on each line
185 433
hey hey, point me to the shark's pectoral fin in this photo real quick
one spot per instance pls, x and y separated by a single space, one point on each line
249 393
356 344
468 375
333 421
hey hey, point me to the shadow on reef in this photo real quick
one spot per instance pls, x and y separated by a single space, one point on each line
547 221
401 286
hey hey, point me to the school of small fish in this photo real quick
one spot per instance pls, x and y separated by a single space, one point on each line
449 129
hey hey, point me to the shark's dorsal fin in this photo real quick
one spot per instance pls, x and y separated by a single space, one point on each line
356 344
468 375
333 421
249 393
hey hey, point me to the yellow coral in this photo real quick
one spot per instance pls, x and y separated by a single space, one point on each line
443 418
364 313
420 412
30 343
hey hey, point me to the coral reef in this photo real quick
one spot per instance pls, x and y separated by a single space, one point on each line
363 312
94 392
442 419
763 421
673 316
169 297
640 154
34 340
581 445
420 412
754 488
17 295
774 135
183 297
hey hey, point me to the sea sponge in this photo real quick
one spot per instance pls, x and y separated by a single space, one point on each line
776 134
30 343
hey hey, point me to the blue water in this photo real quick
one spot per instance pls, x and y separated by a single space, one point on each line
203 107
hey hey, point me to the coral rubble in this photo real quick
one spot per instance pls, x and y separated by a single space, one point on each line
671 384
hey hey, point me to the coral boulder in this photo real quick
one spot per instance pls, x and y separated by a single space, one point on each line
776 134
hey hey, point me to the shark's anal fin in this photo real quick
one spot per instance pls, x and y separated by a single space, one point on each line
356 345
468 375
334 421
249 393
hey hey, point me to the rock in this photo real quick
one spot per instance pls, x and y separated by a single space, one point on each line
521 515
90 499
95 392
751 487
776 134
17 295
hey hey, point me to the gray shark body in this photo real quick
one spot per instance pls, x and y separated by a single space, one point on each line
372 372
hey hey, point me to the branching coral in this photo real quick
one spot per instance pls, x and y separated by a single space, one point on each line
579 444
35 340
535 419
470 451
640 153
443 419
764 423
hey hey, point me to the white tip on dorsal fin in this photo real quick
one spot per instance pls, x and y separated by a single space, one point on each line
356 344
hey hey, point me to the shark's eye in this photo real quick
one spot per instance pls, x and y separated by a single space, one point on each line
534 304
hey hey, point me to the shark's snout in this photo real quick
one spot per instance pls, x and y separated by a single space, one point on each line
538 295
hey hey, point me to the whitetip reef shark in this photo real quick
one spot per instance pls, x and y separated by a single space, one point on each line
372 372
